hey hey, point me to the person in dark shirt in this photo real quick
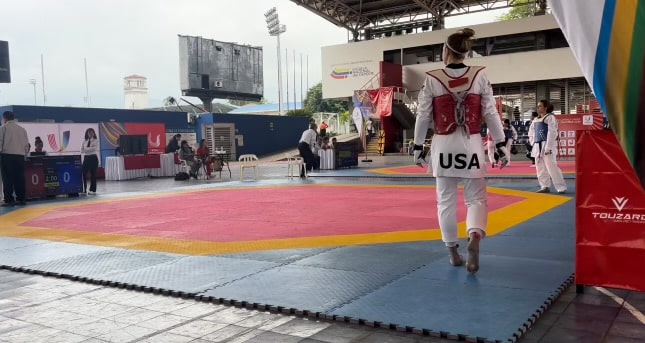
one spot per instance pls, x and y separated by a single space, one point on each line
173 145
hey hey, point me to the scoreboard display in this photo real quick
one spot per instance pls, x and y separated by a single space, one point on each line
53 175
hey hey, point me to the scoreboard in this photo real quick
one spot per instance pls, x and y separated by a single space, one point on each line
53 175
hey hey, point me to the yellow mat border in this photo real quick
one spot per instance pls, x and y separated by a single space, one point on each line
533 204
393 171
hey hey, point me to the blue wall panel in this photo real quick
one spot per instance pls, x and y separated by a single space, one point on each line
263 134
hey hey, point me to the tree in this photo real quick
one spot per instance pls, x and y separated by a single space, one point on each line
315 103
524 9
344 117
300 113
239 103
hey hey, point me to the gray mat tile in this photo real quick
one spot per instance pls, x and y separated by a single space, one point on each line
39 253
301 287
390 259
469 309
279 256
501 271
7 243
193 273
101 264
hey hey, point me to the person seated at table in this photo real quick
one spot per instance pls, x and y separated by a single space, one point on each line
38 148
203 154
186 153
325 143
173 145
333 143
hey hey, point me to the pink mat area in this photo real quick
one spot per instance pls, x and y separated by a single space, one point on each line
261 213
515 169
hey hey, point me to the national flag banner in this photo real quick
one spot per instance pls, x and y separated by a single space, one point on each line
607 40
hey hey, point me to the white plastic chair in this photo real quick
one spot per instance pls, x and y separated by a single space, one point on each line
248 161
294 164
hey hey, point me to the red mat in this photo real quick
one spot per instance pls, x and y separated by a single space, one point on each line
515 169
262 213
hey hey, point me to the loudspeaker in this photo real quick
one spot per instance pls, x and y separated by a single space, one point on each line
5 75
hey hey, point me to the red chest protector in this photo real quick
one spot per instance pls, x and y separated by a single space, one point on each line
458 107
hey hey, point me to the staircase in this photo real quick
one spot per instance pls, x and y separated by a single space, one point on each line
373 146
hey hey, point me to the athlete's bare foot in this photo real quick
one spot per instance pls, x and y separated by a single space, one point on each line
472 264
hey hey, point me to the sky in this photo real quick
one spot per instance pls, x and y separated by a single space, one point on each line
124 37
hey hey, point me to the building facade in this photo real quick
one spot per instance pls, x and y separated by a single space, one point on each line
526 60
135 91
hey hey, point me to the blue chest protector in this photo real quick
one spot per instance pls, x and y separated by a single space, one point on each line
541 131
508 133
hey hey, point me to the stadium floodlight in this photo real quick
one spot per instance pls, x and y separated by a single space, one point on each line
275 29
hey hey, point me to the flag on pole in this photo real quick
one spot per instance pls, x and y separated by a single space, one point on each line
607 38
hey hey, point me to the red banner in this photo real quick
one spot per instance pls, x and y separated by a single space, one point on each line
610 215
382 100
568 124
156 135
391 74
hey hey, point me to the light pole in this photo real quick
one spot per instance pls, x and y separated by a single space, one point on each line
33 83
275 29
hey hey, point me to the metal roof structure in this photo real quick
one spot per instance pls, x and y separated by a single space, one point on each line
365 18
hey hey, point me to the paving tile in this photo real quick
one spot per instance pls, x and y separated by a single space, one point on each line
385 338
231 315
594 299
591 311
126 334
617 339
197 328
628 330
167 337
61 337
97 328
271 337
197 310
168 305
301 328
29 333
135 316
561 335
163 322
341 334
588 324
10 324
231 333
265 321
627 316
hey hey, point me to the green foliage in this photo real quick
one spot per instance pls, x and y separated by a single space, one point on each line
238 103
523 9
300 113
344 117
315 103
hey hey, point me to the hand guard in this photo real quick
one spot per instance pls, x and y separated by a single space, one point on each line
503 154
420 155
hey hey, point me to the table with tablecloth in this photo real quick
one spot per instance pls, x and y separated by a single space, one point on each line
326 158
139 166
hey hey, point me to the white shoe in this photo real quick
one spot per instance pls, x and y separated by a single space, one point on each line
91 193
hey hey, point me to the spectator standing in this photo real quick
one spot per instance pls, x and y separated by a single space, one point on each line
370 128
323 129
14 146
90 149
511 136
